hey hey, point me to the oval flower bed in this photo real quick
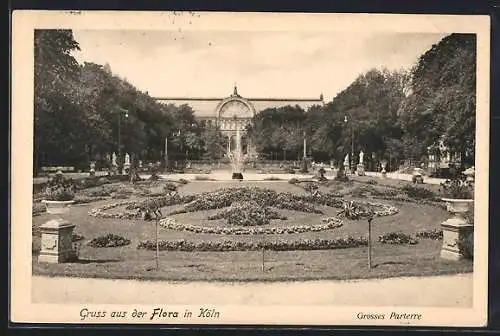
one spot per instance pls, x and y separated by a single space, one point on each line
277 245
172 224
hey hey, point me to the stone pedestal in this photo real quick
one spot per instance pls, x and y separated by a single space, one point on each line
56 242
455 230
360 170
347 169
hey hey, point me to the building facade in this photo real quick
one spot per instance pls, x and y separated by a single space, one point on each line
235 112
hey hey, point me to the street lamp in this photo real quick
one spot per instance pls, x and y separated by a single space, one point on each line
125 114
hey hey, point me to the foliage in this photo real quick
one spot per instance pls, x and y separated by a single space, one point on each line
329 224
441 102
430 234
418 192
293 180
350 211
278 245
397 238
59 188
457 189
169 186
109 240
272 178
466 246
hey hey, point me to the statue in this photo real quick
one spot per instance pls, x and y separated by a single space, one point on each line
126 165
361 168
346 160
113 160
92 168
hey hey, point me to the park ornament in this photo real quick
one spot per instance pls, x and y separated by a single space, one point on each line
361 167
456 229
57 234
346 163
59 195
92 168
383 163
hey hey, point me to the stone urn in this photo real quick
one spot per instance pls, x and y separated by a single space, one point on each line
456 229
57 207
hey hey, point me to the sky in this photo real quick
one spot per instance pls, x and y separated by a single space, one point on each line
176 63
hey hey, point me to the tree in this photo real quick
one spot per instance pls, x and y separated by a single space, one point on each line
213 143
442 103
54 67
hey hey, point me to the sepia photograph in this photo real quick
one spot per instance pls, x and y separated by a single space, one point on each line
249 168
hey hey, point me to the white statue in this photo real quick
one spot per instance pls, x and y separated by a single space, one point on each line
127 159
361 155
113 162
346 160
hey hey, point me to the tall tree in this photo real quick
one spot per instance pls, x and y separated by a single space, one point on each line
442 102
54 67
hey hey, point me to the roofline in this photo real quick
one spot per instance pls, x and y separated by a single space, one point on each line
250 99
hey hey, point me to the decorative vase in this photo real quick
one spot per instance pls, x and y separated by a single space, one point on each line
57 207
456 229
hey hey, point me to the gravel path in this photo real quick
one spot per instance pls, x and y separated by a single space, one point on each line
438 291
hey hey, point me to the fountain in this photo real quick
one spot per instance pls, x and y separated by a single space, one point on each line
237 158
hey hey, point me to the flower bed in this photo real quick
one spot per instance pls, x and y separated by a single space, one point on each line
109 240
397 238
134 209
430 234
172 224
277 245
247 214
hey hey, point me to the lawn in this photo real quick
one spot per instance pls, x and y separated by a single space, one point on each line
351 263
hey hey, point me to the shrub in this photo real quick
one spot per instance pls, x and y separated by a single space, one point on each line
289 170
183 181
466 246
109 240
457 189
397 238
372 182
272 178
169 186
418 192
430 234
293 180
38 209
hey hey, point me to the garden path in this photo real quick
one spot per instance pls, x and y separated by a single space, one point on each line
437 291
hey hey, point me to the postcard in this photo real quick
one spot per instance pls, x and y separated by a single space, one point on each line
249 168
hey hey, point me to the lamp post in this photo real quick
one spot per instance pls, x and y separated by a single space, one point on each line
351 159
125 113
305 146
166 154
